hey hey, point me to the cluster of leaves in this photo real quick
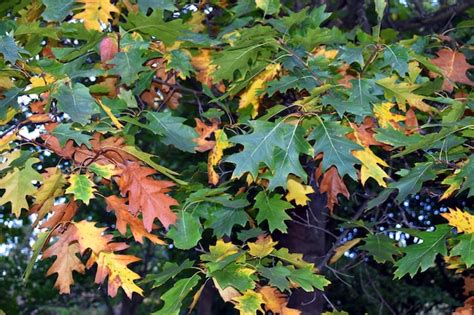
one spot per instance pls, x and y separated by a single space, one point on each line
271 92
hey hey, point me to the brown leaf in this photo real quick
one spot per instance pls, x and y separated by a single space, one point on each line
146 194
66 260
454 66
333 185
62 213
364 133
468 285
204 131
276 302
467 309
411 122
124 218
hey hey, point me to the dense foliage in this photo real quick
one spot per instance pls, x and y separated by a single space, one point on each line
209 133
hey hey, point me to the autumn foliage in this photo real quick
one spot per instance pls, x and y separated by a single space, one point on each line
214 136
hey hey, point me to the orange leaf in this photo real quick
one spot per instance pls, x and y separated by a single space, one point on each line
454 67
62 213
146 194
66 260
333 185
204 131
124 218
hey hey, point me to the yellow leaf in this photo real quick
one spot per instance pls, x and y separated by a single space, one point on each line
81 187
9 116
42 80
461 220
454 183
196 22
90 236
220 251
45 196
96 12
6 141
403 93
298 192
109 113
385 117
216 154
370 166
262 247
115 267
249 303
250 97
343 248
328 54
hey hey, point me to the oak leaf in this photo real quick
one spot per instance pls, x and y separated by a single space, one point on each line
89 236
251 96
262 247
298 192
454 66
333 185
119 275
52 187
461 220
205 131
386 117
96 12
62 213
370 166
276 302
66 260
18 185
125 218
146 194
216 154
81 187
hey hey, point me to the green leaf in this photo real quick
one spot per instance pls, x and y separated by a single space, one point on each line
465 249
223 219
180 61
155 25
57 10
10 50
277 276
175 296
167 5
249 303
169 271
237 276
81 187
76 101
18 185
255 42
308 280
105 171
331 140
351 55
269 7
412 180
422 256
381 247
396 57
65 132
290 82
10 100
187 231
128 65
272 209
37 246
276 145
173 130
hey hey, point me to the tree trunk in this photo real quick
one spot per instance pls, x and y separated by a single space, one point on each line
309 240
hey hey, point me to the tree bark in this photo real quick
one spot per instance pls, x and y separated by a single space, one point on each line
308 239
